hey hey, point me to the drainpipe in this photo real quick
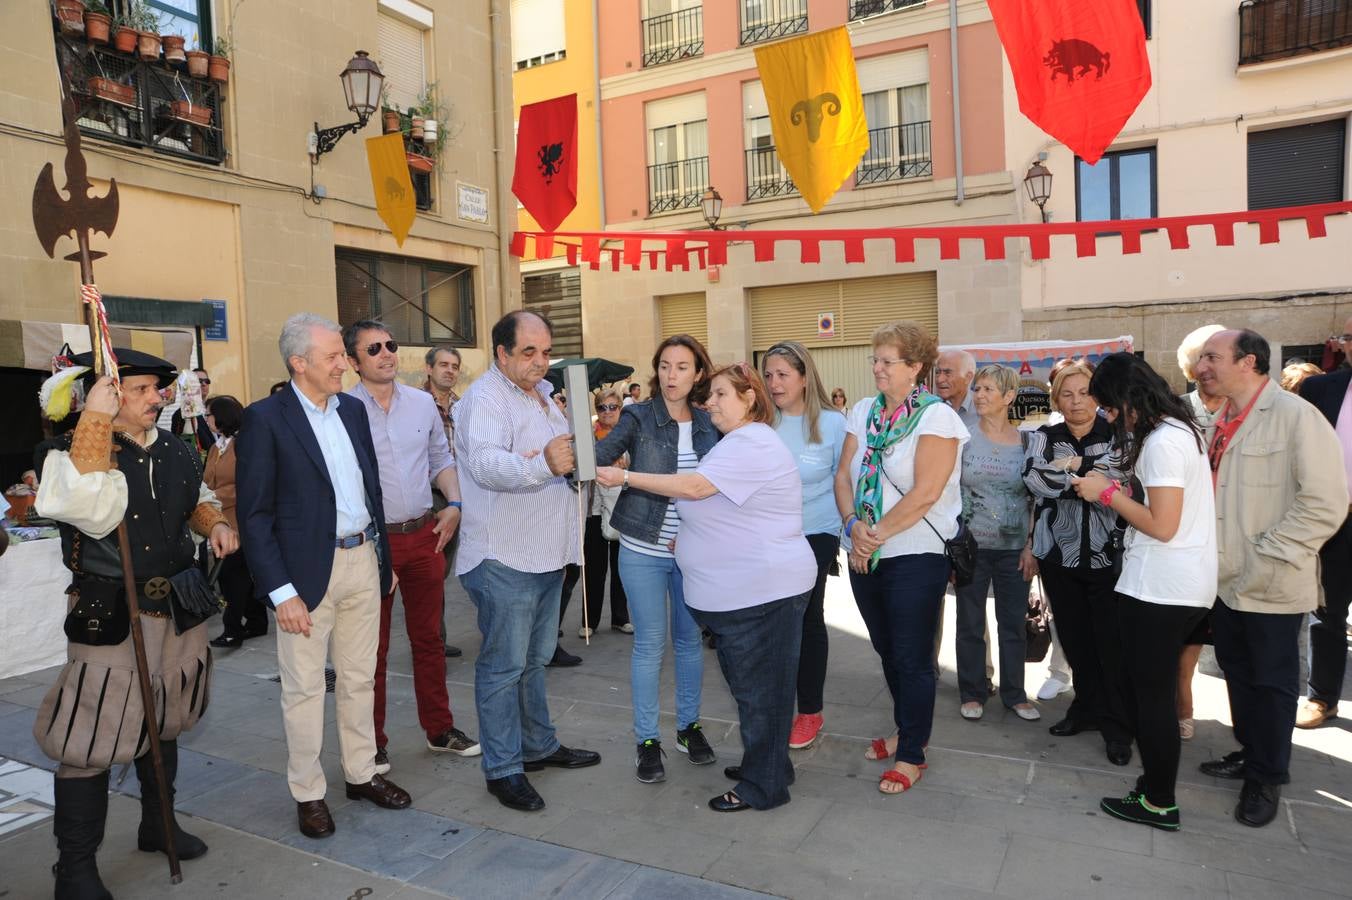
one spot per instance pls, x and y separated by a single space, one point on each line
957 103
596 73
502 140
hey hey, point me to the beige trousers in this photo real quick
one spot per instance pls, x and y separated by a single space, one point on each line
348 617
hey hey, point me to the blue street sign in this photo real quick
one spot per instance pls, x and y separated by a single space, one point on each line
218 330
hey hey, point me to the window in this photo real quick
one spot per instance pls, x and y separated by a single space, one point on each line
1298 165
672 30
190 18
1120 185
401 43
896 104
764 20
421 302
678 152
537 32
557 295
765 174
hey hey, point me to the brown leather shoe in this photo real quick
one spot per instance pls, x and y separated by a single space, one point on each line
1313 713
315 821
380 792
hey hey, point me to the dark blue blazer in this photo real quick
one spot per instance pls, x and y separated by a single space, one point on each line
1327 392
285 500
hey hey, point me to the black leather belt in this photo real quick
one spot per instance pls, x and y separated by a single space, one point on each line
410 526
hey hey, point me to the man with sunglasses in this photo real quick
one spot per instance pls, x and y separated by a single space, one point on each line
411 455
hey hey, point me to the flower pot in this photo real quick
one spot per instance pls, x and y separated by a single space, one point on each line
390 121
173 48
419 163
198 61
415 130
97 27
124 39
70 13
112 91
218 69
148 45
184 111
430 131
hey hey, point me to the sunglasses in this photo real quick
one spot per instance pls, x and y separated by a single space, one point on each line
204 381
374 349
607 407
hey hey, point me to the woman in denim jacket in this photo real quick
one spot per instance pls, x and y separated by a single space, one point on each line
663 435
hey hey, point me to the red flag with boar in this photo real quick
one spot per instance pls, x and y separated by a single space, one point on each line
545 179
1080 66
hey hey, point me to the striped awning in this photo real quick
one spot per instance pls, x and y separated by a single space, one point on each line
31 345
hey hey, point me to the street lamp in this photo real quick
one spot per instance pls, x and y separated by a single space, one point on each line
362 81
711 202
1038 184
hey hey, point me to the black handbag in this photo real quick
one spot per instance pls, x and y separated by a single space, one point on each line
959 550
99 617
196 597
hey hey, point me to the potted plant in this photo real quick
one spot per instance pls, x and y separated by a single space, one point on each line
98 23
420 163
144 20
434 115
389 112
70 14
124 33
415 127
218 67
173 48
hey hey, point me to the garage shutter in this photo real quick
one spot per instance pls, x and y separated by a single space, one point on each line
684 314
847 368
401 59
790 312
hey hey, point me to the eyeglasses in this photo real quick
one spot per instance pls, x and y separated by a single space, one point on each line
374 349
1342 339
607 407
886 363
204 381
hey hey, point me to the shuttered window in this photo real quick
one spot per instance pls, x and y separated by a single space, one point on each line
557 295
791 312
402 59
1299 165
684 314
537 32
421 302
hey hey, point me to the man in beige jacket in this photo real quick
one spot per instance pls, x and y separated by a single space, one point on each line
1279 496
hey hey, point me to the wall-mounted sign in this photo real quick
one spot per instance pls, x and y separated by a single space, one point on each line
826 325
471 203
219 329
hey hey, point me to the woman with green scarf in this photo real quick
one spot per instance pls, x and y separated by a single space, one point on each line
897 491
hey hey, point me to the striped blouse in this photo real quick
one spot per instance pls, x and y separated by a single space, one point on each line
1068 531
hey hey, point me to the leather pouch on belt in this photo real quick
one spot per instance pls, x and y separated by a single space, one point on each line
195 599
99 617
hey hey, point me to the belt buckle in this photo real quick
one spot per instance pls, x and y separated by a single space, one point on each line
157 588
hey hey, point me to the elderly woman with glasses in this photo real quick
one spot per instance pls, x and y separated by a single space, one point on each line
748 573
814 434
600 554
897 493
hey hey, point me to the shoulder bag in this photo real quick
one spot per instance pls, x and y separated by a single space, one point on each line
960 550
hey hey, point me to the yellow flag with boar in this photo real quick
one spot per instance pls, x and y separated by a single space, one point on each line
395 203
816 110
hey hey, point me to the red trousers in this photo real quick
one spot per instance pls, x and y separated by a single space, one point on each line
422 572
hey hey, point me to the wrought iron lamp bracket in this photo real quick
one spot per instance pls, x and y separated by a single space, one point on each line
327 138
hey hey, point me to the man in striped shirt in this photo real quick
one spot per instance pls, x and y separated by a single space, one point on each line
520 528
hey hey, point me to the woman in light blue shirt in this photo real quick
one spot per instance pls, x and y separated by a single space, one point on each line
814 432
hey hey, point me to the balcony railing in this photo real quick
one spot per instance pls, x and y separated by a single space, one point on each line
765 20
766 176
673 36
860 9
895 153
677 185
1278 29
142 104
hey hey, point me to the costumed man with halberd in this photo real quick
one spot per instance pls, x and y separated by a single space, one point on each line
117 465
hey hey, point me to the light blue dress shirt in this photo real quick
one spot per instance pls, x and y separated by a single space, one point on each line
349 492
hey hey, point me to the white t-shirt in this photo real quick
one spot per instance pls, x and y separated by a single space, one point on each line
940 420
1183 571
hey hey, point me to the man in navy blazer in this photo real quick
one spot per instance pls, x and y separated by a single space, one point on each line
1332 394
310 513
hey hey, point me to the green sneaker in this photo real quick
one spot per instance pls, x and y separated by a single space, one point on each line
1133 808
690 740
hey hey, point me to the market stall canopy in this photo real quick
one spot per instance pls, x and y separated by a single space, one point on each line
599 371
31 345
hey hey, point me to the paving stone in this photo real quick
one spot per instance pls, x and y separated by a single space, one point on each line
496 865
473 803
1247 887
396 844
654 884
259 803
1259 855
675 844
16 739
1038 867
1085 828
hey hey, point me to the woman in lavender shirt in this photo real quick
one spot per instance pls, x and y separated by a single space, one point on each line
748 571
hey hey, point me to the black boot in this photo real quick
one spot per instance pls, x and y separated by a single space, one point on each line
150 836
81 810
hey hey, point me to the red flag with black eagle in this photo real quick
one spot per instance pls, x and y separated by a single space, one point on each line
545 179
1080 66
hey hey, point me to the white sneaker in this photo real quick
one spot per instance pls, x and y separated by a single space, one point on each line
584 632
1051 688
971 710
1027 711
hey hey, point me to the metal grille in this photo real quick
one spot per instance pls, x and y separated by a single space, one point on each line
764 20
1276 29
860 9
766 176
675 35
677 185
895 153
557 295
165 110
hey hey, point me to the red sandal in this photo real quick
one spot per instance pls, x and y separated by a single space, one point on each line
900 778
879 748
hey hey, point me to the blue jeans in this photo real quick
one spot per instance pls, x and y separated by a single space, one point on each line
518 618
647 582
899 602
1000 567
758 652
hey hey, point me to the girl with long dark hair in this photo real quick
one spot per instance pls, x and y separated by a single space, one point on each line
1168 579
